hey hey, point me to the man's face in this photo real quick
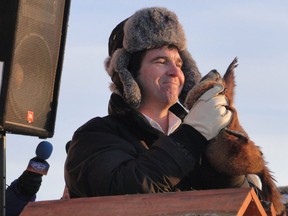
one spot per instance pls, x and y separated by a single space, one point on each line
160 77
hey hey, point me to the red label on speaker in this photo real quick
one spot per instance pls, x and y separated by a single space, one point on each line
30 117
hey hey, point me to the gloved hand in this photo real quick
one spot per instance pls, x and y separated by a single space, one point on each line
209 114
29 183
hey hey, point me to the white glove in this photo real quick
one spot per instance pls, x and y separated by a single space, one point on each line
209 114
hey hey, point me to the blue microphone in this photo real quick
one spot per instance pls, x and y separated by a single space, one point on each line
38 164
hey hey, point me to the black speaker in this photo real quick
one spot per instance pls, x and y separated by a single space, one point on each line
32 40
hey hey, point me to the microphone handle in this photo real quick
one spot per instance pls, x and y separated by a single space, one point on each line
38 165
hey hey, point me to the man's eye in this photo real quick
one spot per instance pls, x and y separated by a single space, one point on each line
161 61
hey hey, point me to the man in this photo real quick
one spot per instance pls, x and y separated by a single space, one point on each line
142 146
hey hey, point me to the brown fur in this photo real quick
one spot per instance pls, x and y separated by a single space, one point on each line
232 152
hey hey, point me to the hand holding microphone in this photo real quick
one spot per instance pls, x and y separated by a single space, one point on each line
30 180
24 189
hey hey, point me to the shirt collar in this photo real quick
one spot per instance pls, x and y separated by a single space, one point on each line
174 123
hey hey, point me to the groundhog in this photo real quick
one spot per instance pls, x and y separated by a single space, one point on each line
232 152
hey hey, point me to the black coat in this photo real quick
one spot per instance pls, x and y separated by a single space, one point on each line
122 154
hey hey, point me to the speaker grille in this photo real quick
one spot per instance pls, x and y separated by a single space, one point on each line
33 68
32 83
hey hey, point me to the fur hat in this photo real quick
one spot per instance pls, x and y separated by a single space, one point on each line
147 29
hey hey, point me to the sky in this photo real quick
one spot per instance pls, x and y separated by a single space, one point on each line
216 31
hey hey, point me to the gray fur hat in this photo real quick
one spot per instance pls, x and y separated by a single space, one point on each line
147 29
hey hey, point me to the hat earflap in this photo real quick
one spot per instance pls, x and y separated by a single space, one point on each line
119 64
191 73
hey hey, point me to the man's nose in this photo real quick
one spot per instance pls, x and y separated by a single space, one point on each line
174 69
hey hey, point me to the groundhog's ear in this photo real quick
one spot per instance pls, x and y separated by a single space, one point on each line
229 79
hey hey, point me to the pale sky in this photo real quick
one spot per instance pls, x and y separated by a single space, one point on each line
216 32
